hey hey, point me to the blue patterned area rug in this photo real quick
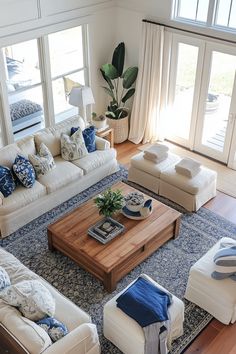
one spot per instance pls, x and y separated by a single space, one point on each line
169 265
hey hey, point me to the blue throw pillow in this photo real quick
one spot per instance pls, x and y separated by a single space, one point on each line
55 329
7 181
24 171
89 137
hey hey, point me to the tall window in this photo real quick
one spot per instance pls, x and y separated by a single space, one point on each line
24 85
67 68
25 64
220 14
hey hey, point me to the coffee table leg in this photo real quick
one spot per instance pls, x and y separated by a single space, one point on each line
177 225
50 245
110 282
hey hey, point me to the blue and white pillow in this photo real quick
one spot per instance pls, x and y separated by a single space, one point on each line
89 135
7 181
55 329
225 261
4 279
24 171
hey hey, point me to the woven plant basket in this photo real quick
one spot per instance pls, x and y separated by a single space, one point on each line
121 129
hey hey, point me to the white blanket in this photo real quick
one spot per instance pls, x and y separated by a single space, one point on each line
188 167
154 159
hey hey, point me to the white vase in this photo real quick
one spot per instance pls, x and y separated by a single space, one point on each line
121 129
99 124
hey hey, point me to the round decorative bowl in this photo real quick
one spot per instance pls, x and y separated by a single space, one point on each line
134 201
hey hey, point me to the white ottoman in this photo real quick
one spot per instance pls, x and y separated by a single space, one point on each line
147 173
126 333
191 193
218 297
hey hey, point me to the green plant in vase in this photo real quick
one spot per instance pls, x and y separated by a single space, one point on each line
109 202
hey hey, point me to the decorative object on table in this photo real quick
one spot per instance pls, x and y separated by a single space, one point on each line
81 97
134 201
100 122
143 212
106 229
117 113
109 202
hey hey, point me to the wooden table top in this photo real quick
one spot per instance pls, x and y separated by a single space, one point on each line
71 231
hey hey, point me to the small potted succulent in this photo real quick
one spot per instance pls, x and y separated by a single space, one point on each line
99 121
109 202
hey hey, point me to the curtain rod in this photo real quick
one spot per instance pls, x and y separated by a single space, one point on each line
192 32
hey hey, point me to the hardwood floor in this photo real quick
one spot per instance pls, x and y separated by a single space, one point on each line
216 338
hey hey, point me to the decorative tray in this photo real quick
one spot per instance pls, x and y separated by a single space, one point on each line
105 230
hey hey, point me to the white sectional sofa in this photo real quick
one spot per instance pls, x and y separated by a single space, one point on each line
20 335
57 186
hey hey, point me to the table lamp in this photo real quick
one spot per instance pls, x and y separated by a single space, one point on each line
81 97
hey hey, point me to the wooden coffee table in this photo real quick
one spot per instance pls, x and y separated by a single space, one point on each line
110 262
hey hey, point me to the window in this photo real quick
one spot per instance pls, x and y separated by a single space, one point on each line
67 68
195 10
24 85
28 104
220 14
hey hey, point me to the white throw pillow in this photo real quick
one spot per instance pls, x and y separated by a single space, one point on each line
73 147
4 279
43 162
31 297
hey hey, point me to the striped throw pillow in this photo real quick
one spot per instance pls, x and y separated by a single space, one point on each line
225 261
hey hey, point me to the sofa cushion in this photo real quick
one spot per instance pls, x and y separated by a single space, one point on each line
31 297
43 162
52 143
95 159
23 329
64 173
4 279
7 181
190 185
154 169
27 145
73 147
21 197
24 171
8 155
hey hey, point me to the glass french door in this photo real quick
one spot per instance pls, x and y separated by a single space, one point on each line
202 97
217 106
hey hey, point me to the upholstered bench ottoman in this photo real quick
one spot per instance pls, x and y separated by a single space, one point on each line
191 193
127 335
146 173
218 297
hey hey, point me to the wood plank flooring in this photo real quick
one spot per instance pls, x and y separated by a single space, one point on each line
216 338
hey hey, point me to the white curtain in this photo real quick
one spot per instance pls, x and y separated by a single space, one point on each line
151 88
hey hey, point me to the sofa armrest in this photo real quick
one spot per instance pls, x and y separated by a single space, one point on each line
102 144
82 340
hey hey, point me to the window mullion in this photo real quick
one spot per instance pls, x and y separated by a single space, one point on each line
211 12
196 13
231 4
46 81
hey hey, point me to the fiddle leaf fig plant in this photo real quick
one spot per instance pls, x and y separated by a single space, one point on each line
120 83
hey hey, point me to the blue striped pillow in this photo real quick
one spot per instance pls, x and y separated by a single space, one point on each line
225 261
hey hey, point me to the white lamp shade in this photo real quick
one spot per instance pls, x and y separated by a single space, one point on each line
81 96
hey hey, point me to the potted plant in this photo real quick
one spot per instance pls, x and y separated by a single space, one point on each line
109 202
100 122
120 89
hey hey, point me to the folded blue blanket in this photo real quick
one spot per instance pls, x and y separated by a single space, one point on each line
144 302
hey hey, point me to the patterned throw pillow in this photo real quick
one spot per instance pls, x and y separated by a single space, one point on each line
7 181
89 135
24 171
4 279
55 329
73 147
32 299
43 162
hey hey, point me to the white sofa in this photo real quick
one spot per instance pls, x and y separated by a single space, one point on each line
24 336
60 184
